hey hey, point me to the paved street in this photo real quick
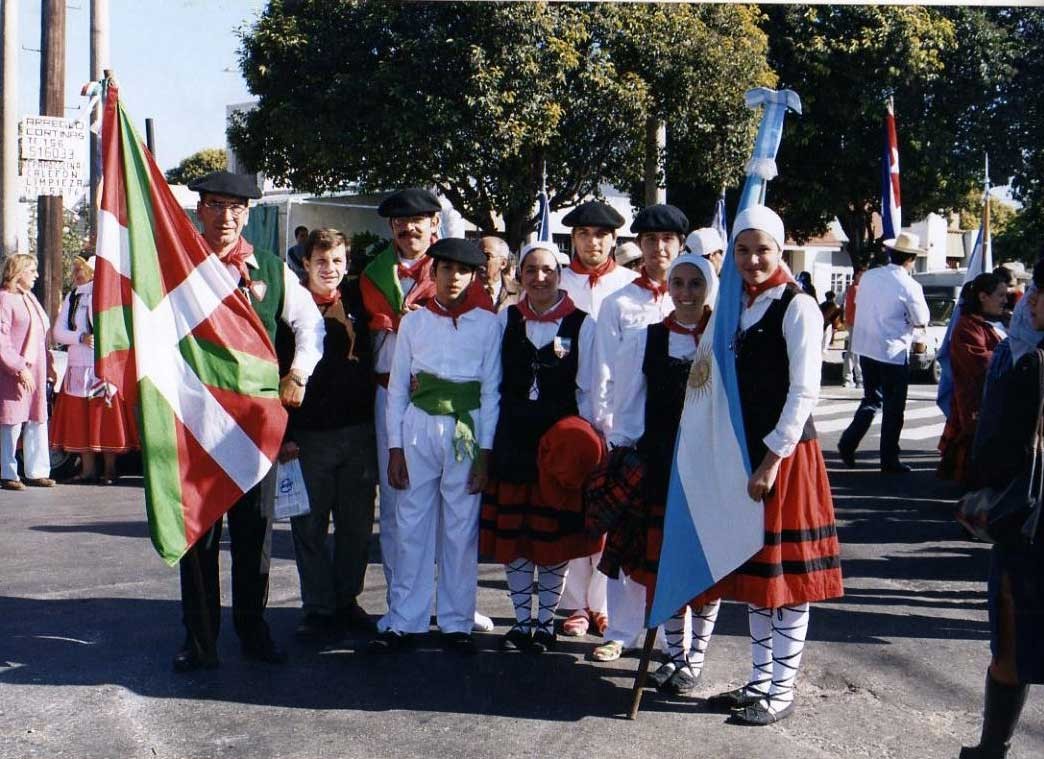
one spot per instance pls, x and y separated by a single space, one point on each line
89 619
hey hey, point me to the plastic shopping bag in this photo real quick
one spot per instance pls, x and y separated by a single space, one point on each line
291 498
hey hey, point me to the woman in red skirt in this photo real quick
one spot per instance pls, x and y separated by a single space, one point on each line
778 363
89 417
531 519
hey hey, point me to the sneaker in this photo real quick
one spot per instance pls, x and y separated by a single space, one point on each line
482 624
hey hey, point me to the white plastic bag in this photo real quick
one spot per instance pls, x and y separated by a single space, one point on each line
291 496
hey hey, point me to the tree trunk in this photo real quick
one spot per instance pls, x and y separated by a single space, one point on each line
518 226
655 145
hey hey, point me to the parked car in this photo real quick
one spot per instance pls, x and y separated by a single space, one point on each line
941 291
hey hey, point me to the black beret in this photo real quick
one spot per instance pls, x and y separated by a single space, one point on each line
411 202
457 249
594 213
660 218
226 183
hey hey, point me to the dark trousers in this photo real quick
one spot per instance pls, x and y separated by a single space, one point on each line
883 385
250 534
340 474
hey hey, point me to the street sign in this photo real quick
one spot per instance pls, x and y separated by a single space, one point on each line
52 154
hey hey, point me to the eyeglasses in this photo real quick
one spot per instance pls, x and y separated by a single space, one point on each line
401 222
236 209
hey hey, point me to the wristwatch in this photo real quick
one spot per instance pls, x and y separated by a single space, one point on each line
297 380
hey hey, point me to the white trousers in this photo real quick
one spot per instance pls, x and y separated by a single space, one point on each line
36 455
626 600
389 496
437 522
585 586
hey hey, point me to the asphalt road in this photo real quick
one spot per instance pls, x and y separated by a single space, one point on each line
89 619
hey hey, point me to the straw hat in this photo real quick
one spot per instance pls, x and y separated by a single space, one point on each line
906 242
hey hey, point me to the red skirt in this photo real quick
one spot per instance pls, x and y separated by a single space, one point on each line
801 559
82 425
514 524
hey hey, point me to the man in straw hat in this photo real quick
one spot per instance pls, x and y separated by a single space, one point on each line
891 305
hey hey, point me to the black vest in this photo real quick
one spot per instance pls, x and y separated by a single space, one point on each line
763 370
666 378
523 421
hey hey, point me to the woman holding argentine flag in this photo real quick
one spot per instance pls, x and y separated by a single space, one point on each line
778 364
653 369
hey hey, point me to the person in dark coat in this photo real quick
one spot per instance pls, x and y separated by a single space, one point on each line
1016 590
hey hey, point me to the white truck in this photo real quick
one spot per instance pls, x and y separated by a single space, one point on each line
941 291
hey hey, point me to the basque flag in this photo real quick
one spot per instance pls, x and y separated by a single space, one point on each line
891 207
712 526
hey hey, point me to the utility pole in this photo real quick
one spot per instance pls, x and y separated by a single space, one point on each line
9 127
50 217
99 64
655 144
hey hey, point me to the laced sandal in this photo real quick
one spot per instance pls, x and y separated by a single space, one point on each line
682 681
517 638
608 651
575 625
760 714
662 674
740 697
544 638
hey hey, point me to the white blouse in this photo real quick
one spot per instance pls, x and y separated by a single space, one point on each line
590 299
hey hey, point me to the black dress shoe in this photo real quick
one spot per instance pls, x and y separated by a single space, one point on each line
355 618
263 650
847 456
461 643
190 658
896 467
314 626
390 642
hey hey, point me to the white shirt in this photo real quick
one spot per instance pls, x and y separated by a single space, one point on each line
632 387
631 308
79 354
542 333
302 316
803 332
890 304
469 351
590 299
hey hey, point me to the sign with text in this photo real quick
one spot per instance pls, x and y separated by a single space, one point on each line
52 154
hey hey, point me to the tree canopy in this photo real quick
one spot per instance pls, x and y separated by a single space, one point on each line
476 99
196 165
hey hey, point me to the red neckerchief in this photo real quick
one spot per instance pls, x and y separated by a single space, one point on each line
237 257
416 272
675 326
593 275
777 278
560 310
473 298
326 300
655 288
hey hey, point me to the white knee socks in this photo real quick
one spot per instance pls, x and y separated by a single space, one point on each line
550 582
520 585
777 640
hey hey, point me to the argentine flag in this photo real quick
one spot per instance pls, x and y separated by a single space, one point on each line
711 526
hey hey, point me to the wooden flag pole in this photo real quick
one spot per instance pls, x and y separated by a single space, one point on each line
643 671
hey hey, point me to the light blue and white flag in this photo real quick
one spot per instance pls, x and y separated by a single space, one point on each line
711 526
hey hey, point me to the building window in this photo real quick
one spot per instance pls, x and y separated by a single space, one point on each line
840 280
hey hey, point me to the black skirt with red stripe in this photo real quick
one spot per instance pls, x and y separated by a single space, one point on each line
514 523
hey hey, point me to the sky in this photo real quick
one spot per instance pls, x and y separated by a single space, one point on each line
175 61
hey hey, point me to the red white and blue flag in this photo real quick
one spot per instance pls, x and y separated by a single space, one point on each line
891 206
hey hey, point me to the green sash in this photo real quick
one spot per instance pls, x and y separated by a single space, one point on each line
440 397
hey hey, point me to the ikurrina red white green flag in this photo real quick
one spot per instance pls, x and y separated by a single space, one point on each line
175 335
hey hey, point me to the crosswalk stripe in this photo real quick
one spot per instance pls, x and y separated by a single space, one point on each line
922 433
833 425
835 408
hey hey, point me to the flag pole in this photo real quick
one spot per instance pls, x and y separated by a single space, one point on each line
643 672
987 246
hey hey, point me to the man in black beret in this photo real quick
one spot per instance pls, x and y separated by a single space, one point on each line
591 277
397 281
661 232
276 295
443 401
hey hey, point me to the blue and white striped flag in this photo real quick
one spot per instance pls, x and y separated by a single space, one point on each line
711 526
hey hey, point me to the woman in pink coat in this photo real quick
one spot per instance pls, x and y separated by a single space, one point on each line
25 366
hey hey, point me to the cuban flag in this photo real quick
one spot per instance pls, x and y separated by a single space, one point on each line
891 207
711 526
720 223
981 261
544 218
